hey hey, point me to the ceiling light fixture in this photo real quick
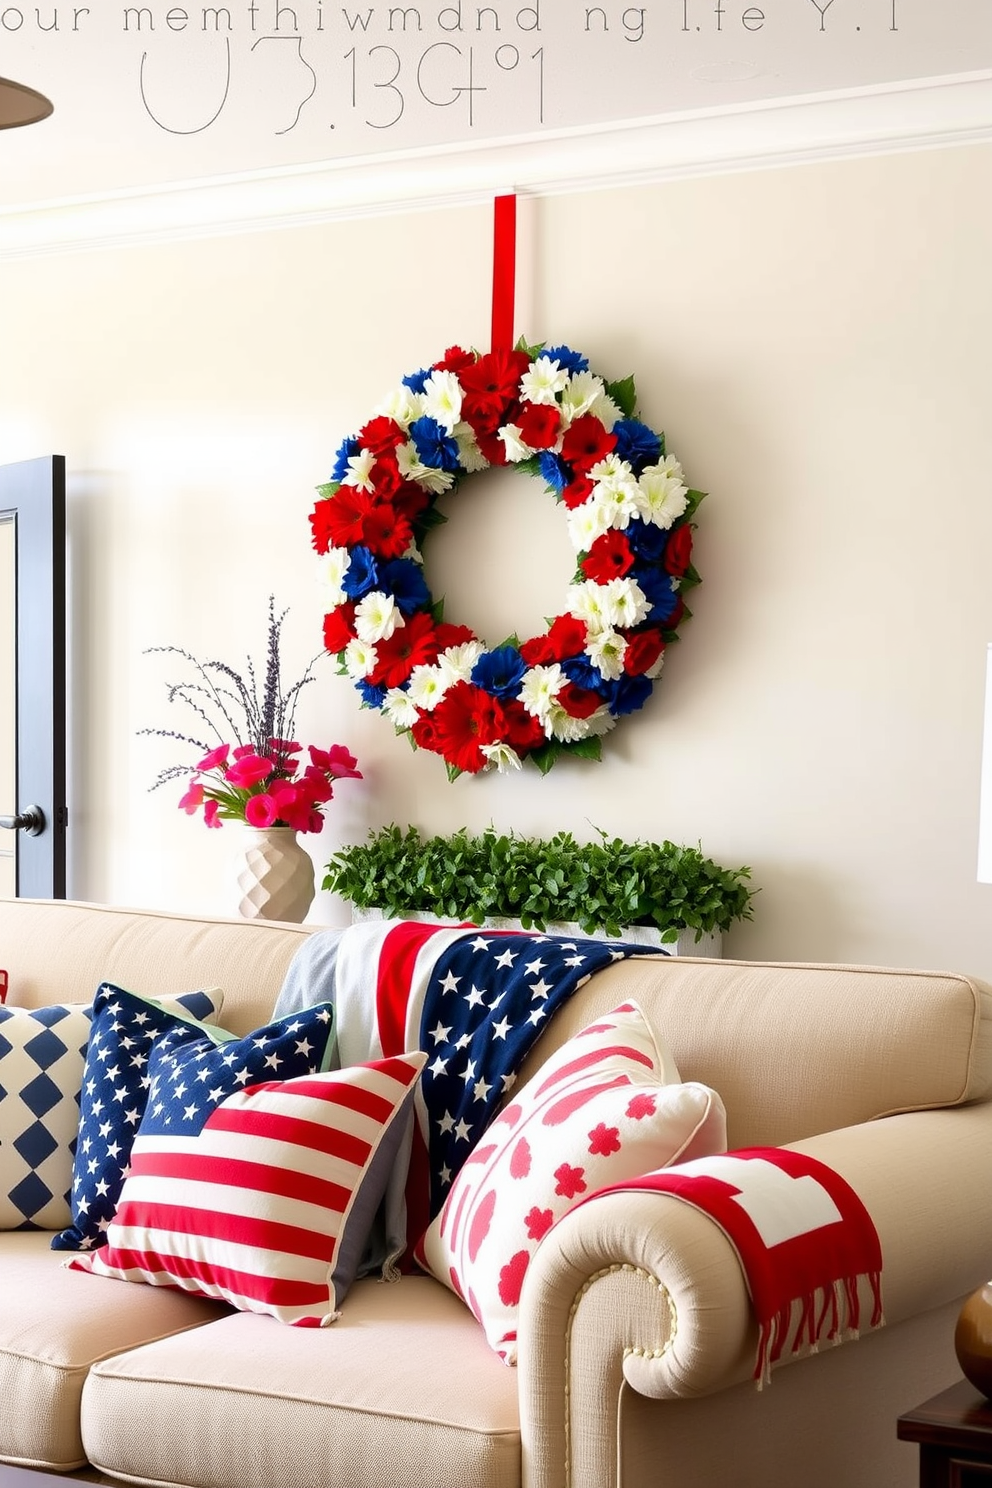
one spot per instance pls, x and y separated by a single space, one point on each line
20 104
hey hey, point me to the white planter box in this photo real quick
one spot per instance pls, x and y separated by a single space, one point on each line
647 935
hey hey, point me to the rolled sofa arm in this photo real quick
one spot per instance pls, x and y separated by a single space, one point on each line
642 1289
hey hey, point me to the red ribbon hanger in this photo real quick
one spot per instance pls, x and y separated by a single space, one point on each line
504 270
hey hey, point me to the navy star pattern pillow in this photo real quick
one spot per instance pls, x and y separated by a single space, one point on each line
116 1090
113 1095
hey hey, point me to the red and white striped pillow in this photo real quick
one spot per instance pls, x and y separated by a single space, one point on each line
598 1112
270 1204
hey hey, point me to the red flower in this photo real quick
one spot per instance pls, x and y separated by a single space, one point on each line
643 649
410 499
492 447
337 761
640 1106
577 491
412 644
452 635
193 799
339 628
216 757
338 520
566 637
495 378
678 550
571 1181
604 1140
579 702
210 816
523 732
381 434
385 476
260 811
539 424
466 718
538 1222
385 532
610 557
586 442
249 770
455 359
425 734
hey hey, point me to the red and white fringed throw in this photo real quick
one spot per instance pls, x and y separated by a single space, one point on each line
804 1239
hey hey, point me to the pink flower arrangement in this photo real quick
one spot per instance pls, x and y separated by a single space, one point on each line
261 778
268 790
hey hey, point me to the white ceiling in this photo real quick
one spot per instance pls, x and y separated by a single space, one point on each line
179 93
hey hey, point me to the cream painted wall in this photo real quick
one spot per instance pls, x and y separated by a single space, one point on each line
816 342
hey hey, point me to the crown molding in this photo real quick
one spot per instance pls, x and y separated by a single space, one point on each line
921 114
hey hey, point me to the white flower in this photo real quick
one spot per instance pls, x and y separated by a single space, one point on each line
331 569
427 687
656 667
606 410
578 396
601 721
469 452
625 603
516 449
359 469
543 382
432 479
456 662
590 520
539 688
614 477
662 496
502 756
563 726
359 659
400 708
377 615
588 602
605 649
443 399
403 405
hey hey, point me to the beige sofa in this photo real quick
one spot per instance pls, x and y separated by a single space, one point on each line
637 1338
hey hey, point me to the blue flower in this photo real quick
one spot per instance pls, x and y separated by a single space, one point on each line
636 443
435 447
500 672
580 670
404 580
372 696
415 380
627 694
348 448
362 575
647 539
572 361
657 587
554 469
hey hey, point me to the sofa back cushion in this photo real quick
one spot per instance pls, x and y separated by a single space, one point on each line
796 1049
62 951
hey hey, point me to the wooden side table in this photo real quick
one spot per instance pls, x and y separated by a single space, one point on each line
954 1432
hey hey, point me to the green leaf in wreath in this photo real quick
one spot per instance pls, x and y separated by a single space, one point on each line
545 757
624 395
330 488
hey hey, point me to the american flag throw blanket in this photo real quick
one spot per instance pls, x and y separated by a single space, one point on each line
805 1241
474 1000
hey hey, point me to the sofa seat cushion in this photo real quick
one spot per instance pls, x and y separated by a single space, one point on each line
404 1388
54 1324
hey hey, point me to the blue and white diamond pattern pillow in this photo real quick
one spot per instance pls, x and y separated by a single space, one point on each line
42 1058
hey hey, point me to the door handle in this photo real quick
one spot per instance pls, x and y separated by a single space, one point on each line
31 821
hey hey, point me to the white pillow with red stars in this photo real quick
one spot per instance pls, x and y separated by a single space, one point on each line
603 1109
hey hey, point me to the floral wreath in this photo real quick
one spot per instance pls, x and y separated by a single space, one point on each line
629 519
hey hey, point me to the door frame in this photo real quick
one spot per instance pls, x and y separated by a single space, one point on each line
33 491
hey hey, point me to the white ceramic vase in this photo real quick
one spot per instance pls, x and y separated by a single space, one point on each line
274 875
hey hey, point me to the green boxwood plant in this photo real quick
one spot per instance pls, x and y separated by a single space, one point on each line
602 885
